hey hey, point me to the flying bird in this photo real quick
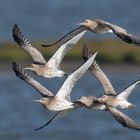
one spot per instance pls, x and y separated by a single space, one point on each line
109 92
123 119
99 26
61 101
110 100
40 67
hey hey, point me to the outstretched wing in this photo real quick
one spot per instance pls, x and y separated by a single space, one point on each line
68 36
126 92
129 38
69 83
24 43
113 27
122 34
60 113
44 125
122 118
56 59
32 82
99 74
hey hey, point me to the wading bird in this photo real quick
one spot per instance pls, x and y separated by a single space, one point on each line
111 101
100 26
40 67
61 101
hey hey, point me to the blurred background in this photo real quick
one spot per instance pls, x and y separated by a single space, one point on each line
45 21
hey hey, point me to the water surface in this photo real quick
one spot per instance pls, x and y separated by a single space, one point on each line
19 116
50 19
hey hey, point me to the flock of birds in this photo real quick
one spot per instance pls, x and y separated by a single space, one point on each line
61 101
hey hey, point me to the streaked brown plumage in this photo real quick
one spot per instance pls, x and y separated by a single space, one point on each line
40 67
61 101
101 26
110 100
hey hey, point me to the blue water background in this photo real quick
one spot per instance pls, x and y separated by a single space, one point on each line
50 19
19 116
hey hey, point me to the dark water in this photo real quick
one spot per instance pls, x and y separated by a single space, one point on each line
50 19
19 116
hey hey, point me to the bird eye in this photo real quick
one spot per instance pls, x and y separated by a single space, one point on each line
86 21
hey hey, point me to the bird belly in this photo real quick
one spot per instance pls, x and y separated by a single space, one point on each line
50 73
100 107
59 105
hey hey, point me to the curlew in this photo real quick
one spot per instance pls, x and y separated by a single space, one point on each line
61 101
40 67
99 26
111 101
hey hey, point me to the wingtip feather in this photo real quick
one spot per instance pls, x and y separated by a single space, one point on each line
49 45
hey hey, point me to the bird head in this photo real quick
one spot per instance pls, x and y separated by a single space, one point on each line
87 101
43 101
91 24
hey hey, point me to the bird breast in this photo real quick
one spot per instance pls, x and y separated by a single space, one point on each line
59 105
